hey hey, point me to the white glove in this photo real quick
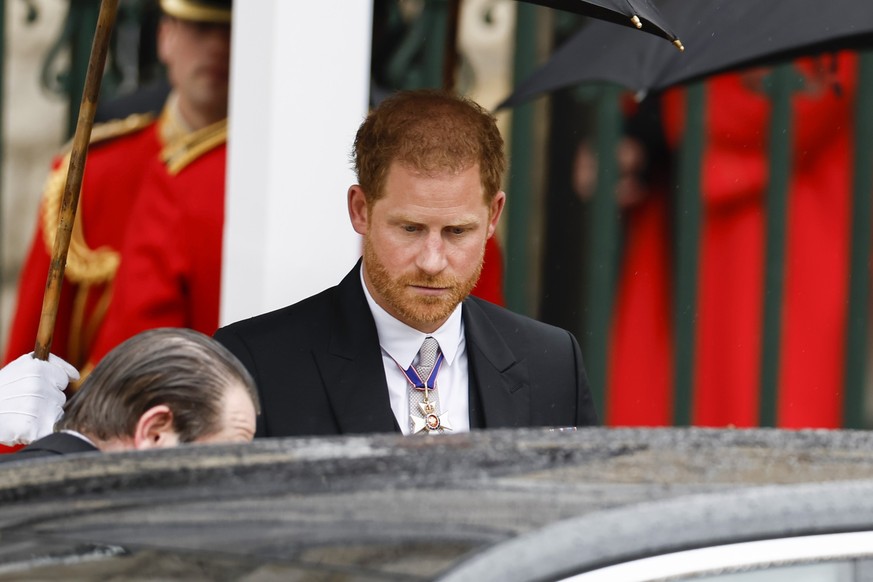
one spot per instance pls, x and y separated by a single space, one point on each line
32 397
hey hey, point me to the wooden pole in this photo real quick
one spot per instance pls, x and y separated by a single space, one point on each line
81 139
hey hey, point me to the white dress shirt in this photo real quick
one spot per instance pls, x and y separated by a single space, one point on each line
400 344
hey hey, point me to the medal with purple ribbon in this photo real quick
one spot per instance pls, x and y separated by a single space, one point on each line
430 382
431 420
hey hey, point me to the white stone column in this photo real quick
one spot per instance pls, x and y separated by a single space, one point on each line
299 90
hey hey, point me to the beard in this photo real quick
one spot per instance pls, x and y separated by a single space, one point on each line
413 308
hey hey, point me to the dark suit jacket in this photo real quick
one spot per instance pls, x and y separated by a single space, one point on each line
57 443
318 367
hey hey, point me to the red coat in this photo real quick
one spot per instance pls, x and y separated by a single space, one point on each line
490 285
172 258
731 266
113 172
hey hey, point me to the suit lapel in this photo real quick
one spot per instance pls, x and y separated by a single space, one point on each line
500 381
352 369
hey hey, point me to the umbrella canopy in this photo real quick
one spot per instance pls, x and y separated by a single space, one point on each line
720 35
640 14
637 14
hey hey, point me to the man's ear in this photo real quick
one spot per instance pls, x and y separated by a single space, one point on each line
494 212
358 209
154 430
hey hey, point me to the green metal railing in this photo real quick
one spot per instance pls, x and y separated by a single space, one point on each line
688 216
521 182
416 59
65 63
857 327
602 227
776 231
64 77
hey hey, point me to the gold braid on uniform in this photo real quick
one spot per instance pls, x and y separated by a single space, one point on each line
85 266
181 152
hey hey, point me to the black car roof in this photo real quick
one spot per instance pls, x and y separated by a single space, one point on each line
392 507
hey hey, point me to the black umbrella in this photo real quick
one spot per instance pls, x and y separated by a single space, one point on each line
640 14
720 35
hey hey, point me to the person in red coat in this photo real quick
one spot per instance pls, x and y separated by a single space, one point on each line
114 170
731 261
194 43
171 276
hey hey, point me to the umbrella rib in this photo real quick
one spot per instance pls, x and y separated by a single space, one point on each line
632 12
638 23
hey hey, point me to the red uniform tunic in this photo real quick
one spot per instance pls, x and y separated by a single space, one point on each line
116 162
731 268
172 258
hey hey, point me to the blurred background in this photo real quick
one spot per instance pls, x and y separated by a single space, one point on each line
691 254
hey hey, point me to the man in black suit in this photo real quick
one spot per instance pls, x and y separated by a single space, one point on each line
347 360
159 389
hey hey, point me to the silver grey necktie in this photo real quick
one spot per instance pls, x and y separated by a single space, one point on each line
424 414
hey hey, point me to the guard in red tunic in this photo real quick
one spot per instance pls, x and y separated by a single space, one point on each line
731 264
113 172
171 275
194 43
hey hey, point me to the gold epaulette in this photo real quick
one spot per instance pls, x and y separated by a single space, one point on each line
184 150
84 264
114 128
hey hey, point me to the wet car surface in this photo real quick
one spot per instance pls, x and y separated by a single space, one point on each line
492 505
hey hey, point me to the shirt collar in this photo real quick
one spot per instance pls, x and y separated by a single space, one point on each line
402 342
